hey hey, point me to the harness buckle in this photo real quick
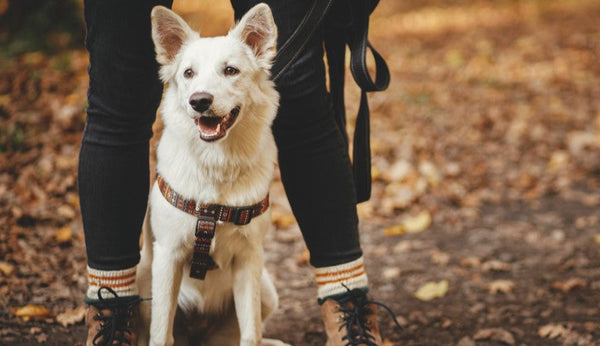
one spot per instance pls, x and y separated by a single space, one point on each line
205 227
243 216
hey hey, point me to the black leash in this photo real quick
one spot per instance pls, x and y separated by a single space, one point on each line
350 28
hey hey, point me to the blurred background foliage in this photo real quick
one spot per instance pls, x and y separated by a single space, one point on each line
34 25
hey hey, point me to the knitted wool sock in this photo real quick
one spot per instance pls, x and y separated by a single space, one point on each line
122 282
336 281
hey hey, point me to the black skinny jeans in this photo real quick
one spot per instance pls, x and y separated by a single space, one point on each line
124 93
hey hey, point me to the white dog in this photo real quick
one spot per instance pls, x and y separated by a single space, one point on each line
215 162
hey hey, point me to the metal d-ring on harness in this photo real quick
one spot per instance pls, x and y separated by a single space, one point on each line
347 24
208 215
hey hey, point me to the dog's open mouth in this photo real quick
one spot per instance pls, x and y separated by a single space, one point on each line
215 127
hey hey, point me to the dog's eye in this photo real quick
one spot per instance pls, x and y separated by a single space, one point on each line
231 71
189 73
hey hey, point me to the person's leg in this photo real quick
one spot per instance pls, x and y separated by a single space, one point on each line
318 179
314 162
124 93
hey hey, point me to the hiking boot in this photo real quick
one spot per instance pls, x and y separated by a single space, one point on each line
352 320
112 321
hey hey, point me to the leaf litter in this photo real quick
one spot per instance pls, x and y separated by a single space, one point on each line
490 127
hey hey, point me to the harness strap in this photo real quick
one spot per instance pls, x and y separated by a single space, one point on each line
208 215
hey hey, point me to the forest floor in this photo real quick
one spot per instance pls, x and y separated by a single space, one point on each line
484 224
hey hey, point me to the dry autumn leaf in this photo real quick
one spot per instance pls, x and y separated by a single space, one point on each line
432 290
72 316
502 286
32 311
390 273
567 286
495 334
63 235
303 258
414 224
66 211
394 230
496 266
6 268
439 257
283 220
552 331
558 160
418 223
470 262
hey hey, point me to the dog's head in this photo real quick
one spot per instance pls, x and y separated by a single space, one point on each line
218 81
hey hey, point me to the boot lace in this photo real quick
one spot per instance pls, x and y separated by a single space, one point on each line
354 318
116 324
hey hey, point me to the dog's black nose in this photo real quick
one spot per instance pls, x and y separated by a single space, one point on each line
201 101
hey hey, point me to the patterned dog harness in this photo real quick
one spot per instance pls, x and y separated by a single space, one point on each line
208 215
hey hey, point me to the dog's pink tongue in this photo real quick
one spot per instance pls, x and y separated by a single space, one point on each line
209 124
210 128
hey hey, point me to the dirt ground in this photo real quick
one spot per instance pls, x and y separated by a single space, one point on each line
484 225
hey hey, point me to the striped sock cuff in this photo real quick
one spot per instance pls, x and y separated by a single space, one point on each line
330 279
121 281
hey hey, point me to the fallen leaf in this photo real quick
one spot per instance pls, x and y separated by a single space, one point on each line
503 286
400 171
439 257
470 262
63 235
66 211
494 265
567 286
430 172
466 341
6 268
41 338
394 230
418 223
495 334
558 160
552 331
283 220
35 330
432 290
72 316
390 273
73 200
414 224
375 173
303 258
365 210
31 311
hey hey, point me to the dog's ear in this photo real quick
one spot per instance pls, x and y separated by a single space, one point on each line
169 32
257 29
